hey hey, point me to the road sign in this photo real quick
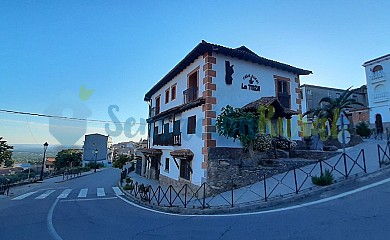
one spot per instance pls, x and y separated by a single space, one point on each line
342 120
347 136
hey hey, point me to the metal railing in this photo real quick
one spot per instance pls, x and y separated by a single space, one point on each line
284 99
169 139
4 186
190 94
268 187
384 154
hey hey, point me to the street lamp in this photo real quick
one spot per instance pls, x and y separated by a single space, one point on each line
43 161
96 152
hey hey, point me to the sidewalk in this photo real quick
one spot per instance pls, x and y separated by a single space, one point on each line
281 186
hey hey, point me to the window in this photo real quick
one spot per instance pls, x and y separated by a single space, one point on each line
166 164
185 169
157 111
191 125
337 95
191 93
282 86
173 92
155 132
309 92
377 68
167 96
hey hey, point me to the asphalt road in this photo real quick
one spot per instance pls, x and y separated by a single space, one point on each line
362 215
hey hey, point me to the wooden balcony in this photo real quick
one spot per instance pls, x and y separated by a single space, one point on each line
190 94
169 139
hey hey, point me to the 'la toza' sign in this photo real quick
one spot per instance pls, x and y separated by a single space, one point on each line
251 86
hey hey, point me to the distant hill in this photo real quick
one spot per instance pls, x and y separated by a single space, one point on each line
34 152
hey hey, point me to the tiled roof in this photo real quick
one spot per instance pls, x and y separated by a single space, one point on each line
378 58
182 153
151 151
178 109
241 53
267 101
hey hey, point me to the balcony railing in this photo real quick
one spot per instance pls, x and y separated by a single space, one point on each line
377 76
154 111
380 97
169 139
284 99
190 94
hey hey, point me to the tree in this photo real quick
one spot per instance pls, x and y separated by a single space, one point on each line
67 158
238 124
330 108
121 161
5 152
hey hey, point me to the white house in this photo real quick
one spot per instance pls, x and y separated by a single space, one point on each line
97 147
378 88
184 105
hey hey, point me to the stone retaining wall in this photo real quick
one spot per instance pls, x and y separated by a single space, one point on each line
233 167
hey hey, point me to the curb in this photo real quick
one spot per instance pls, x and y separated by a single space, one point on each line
255 206
82 175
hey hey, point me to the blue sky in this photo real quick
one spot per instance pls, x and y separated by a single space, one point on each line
120 49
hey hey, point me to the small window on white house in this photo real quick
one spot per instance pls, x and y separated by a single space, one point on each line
166 165
309 92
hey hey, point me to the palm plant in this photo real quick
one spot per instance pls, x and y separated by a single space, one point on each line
330 108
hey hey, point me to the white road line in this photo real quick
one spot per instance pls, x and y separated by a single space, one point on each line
341 195
65 193
100 192
117 191
45 194
83 193
88 199
24 196
49 222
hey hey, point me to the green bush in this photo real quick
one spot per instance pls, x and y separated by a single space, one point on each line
363 130
128 180
128 187
262 142
284 143
324 180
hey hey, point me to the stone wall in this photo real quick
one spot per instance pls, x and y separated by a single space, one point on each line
178 184
233 167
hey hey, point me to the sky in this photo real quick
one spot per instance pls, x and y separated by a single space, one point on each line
115 51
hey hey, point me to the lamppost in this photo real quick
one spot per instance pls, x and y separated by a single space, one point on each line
96 152
43 161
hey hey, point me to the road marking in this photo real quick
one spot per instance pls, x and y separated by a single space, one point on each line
100 192
45 194
50 226
341 195
83 193
88 199
117 191
65 193
24 196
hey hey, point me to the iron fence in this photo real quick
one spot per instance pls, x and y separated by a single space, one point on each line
268 187
384 154
4 186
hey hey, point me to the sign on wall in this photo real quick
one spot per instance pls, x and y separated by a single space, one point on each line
250 83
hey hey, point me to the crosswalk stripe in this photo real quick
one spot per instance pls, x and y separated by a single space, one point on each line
45 194
65 193
117 191
83 193
100 192
24 196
